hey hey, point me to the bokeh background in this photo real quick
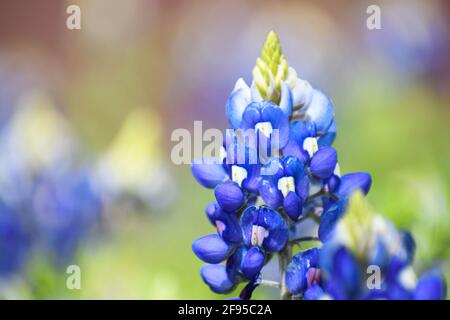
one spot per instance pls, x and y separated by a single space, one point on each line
86 118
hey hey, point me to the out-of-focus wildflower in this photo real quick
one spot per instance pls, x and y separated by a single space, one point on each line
363 243
14 242
132 163
65 209
36 126
49 199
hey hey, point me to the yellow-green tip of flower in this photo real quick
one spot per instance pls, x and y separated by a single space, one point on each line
271 68
357 224
271 51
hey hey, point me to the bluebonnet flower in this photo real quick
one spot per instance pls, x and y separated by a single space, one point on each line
301 271
244 245
287 187
242 165
265 117
340 269
48 203
265 228
235 178
14 242
65 208
265 199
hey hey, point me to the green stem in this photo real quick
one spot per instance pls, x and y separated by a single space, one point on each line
322 193
284 259
305 239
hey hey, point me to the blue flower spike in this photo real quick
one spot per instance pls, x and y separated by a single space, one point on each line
279 186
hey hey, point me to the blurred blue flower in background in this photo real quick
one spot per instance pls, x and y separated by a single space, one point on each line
125 173
49 201
14 242
65 209
365 258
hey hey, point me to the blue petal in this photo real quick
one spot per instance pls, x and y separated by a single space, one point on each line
275 225
314 293
247 158
380 254
340 272
236 103
247 224
271 113
251 183
320 111
228 227
277 229
396 265
243 155
299 131
208 173
286 100
346 270
292 205
326 258
395 291
323 163
14 242
333 183
336 290
252 263
234 262
251 116
213 211
211 248
295 150
431 286
296 279
216 277
229 138
409 244
375 294
269 192
293 167
312 256
327 139
273 170
296 270
329 219
302 186
229 196
354 181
